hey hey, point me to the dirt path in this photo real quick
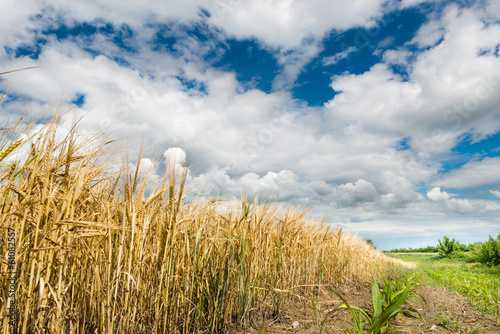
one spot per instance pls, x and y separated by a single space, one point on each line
442 305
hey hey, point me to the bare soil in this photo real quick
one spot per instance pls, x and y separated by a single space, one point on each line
298 316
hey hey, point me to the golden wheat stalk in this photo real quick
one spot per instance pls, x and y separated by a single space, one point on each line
94 256
20 69
8 150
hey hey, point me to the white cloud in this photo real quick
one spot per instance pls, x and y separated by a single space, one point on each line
411 3
492 9
293 62
341 159
357 192
495 192
386 42
15 22
147 171
175 156
450 89
292 29
429 34
332 60
437 195
283 23
473 174
147 166
321 188
288 22
460 205
215 181
397 57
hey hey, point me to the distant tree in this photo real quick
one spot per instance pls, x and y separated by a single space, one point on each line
447 247
428 249
487 252
370 242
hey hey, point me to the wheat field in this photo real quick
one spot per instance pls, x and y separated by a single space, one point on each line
94 254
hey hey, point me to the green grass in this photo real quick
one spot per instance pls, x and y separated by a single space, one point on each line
424 260
448 322
478 282
412 254
482 290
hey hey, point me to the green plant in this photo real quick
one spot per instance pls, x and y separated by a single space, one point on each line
394 288
447 247
483 290
489 252
474 330
386 305
449 322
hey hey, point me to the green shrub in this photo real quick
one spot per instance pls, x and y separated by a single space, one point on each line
447 247
461 247
474 251
488 252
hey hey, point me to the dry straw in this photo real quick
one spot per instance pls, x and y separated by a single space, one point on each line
93 256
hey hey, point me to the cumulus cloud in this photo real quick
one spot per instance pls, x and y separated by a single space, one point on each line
429 34
354 193
397 57
437 195
460 205
146 166
147 171
175 156
288 23
277 24
473 174
217 182
358 159
450 88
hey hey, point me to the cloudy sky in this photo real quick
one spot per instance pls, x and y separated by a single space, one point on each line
381 115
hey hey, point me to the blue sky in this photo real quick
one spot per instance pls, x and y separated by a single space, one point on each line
381 115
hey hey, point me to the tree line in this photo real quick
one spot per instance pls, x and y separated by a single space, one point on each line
487 252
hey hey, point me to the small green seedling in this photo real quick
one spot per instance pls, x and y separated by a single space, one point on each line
386 305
